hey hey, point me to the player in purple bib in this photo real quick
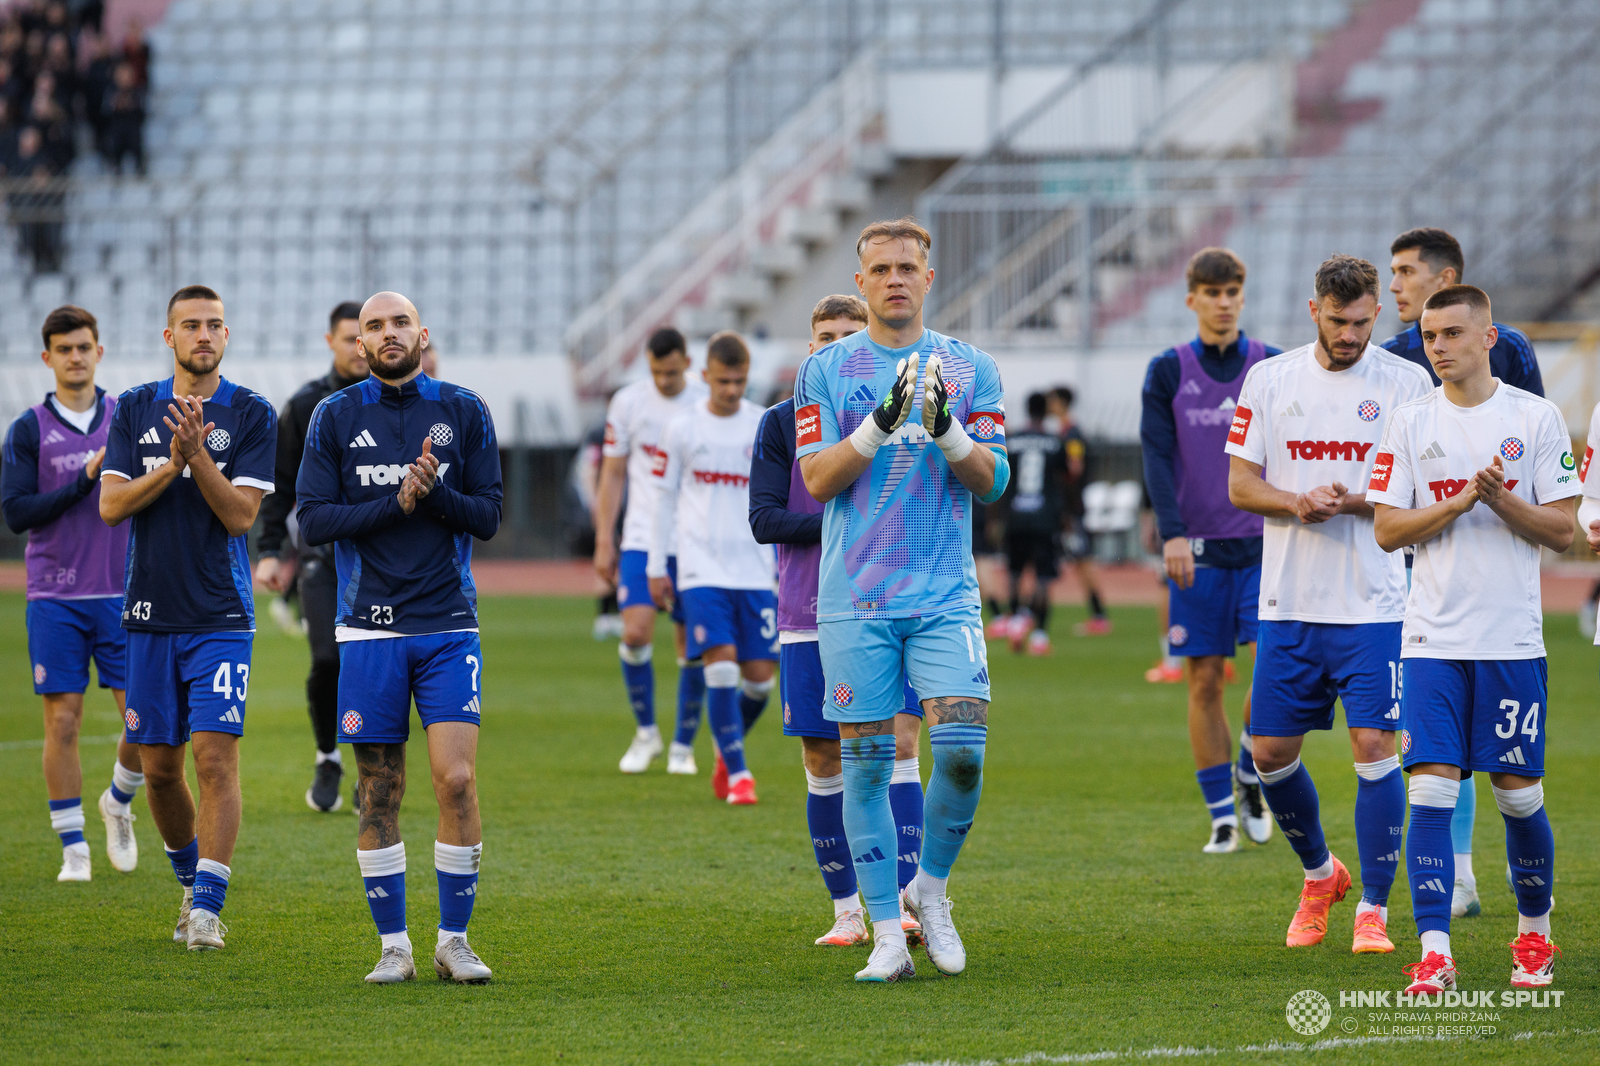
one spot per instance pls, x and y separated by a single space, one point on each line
1211 549
49 487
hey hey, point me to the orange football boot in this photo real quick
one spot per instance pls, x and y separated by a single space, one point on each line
1372 935
1310 922
742 793
719 778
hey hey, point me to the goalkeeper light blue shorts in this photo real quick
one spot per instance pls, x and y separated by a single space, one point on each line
868 662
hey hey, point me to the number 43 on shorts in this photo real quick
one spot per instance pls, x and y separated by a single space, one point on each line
223 681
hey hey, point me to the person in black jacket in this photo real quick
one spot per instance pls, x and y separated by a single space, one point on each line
315 573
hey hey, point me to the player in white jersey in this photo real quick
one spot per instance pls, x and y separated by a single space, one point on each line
1475 694
635 419
1589 508
1303 438
725 579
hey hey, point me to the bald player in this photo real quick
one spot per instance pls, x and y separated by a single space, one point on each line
400 472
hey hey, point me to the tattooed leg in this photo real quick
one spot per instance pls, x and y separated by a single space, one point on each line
958 731
382 783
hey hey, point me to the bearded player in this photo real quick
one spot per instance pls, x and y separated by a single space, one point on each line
400 473
1302 443
898 592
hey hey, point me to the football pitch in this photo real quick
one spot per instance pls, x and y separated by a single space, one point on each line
636 920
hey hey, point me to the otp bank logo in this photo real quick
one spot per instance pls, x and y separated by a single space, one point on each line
350 723
843 694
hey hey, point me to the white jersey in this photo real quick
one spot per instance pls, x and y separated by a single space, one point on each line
702 483
635 419
1475 586
1589 506
1307 427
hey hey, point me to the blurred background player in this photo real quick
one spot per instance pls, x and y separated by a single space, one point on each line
1076 545
1303 442
1476 694
402 523
50 486
1211 549
784 514
635 419
188 460
1423 261
1034 505
312 569
1589 506
888 614
724 577
582 485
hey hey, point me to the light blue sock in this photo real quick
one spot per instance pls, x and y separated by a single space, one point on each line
953 791
1461 821
640 678
211 885
869 821
691 698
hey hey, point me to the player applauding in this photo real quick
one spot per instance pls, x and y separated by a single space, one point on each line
402 471
702 474
1302 443
1478 475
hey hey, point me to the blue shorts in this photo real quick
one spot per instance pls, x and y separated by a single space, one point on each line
1302 667
745 618
182 683
869 661
801 690
1479 714
1214 615
378 678
633 587
63 635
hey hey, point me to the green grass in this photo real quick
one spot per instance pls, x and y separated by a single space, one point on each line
635 920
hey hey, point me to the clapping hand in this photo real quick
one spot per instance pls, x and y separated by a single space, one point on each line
420 477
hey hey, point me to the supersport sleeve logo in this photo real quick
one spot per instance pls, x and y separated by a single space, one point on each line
658 462
1241 425
1382 467
1583 471
808 425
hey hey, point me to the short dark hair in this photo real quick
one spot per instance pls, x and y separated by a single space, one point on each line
68 319
1453 295
1064 394
831 307
728 349
191 292
1213 266
664 341
1038 405
345 312
1434 246
898 229
1345 279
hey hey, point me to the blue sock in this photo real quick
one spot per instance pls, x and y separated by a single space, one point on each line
1461 821
211 885
1380 821
66 818
905 799
640 678
1532 851
184 860
1293 799
1246 770
1216 788
722 707
1431 866
457 867
752 701
953 791
691 699
825 819
869 821
383 873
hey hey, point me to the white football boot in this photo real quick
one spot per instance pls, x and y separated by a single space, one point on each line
1464 902
645 747
849 929
1255 817
939 937
74 865
394 966
205 931
680 759
455 961
122 847
888 962
1224 839
180 932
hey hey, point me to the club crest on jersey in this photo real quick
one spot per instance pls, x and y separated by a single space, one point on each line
843 694
787 718
350 723
218 440
1177 636
1368 411
131 716
1405 741
441 434
699 634
38 673
986 425
1511 449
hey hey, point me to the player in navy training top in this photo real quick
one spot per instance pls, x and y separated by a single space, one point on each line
1423 261
402 525
50 487
188 460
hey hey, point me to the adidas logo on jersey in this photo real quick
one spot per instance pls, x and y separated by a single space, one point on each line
471 706
364 439
1514 757
1434 452
150 436
389 473
233 716
1191 388
378 893
875 855
1292 411
54 437
1433 884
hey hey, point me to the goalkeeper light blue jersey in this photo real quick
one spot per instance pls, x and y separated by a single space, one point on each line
898 542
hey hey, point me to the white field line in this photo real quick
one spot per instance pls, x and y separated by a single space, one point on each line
23 745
